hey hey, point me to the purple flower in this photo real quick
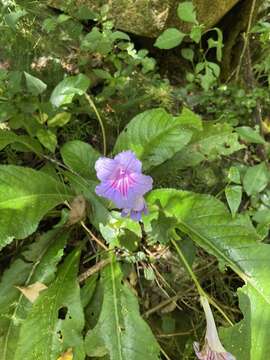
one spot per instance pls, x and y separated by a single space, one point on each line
212 349
123 183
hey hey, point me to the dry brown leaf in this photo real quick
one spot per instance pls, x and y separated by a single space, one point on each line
67 355
77 210
31 292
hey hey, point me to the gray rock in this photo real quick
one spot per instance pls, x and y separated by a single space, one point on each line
150 17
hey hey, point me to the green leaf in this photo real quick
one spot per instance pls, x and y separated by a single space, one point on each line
246 340
37 263
43 334
187 54
120 330
154 136
169 39
256 179
234 175
250 135
13 17
196 33
102 74
234 196
80 157
59 120
26 195
8 137
47 138
65 91
186 12
214 141
233 241
34 85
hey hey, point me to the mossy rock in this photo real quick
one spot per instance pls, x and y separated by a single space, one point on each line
149 17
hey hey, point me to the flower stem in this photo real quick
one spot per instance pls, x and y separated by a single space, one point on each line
196 282
93 106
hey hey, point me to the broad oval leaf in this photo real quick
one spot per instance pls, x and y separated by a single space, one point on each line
34 85
154 136
80 157
233 241
120 330
26 195
64 92
186 12
256 179
169 39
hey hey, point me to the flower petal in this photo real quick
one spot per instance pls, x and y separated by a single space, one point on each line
127 159
208 354
106 168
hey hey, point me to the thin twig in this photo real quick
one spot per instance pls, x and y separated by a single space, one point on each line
93 236
196 282
94 269
246 39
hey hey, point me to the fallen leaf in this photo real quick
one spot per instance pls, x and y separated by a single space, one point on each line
77 210
31 292
68 355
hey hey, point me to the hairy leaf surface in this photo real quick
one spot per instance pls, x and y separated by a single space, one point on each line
154 136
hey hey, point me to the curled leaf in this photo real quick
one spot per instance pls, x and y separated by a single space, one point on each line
31 292
77 210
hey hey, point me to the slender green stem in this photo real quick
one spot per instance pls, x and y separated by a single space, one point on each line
196 282
93 106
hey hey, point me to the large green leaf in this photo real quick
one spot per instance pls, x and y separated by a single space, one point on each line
120 330
236 244
169 39
155 136
43 335
256 179
249 340
26 195
80 157
70 86
214 141
37 264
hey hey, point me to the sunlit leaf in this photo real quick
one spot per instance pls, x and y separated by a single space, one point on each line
169 39
156 136
34 85
26 195
256 179
65 91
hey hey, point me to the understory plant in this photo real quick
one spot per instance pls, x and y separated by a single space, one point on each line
134 214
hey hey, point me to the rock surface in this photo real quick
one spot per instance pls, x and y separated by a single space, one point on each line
150 17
